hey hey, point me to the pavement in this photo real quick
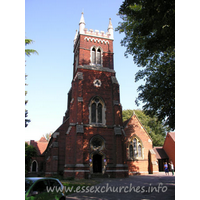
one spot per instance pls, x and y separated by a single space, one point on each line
143 187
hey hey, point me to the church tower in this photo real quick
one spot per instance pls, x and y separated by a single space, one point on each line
91 138
95 137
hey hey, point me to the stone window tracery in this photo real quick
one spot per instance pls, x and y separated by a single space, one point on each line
99 56
97 111
135 149
96 56
93 55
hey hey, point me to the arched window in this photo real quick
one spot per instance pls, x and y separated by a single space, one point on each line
96 56
34 166
97 111
131 151
135 149
93 55
99 56
139 151
94 112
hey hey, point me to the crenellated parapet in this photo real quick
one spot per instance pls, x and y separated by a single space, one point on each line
97 33
94 33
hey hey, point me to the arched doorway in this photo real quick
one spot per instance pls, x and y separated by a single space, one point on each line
97 163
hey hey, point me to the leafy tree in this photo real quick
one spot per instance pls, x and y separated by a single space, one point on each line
149 28
28 52
127 114
153 126
48 136
30 151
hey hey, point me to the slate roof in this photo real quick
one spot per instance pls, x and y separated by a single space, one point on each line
160 153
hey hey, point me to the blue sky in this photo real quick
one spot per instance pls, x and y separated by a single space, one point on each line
52 25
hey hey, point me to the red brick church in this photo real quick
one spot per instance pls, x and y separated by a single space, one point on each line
92 138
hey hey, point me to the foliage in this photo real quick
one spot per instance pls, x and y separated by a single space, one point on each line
126 114
48 136
30 151
153 126
149 28
28 52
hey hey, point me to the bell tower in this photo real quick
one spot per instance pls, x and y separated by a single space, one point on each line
93 48
94 133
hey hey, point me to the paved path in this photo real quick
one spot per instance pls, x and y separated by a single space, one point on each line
146 187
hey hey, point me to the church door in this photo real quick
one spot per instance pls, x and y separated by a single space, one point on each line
97 163
34 165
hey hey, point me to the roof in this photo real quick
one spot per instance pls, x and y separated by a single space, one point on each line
133 117
40 145
42 139
160 153
126 122
172 135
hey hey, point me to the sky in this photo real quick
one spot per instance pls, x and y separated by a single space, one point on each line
52 26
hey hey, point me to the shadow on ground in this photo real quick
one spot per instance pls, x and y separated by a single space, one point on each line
135 187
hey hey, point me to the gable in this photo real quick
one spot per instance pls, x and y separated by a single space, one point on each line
40 145
169 140
133 124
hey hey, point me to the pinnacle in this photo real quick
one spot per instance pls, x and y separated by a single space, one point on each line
82 19
110 24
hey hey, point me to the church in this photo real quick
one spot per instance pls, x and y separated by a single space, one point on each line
92 138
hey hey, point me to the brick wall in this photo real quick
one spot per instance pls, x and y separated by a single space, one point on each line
133 129
69 150
85 47
169 147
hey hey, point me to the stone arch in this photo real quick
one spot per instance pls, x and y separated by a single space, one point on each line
96 55
103 161
97 114
34 166
138 148
99 140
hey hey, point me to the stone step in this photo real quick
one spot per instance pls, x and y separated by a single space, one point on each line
99 175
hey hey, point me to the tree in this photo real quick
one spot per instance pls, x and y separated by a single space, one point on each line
127 114
153 126
149 28
48 136
30 151
28 52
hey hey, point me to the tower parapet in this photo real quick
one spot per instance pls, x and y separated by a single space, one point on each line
95 33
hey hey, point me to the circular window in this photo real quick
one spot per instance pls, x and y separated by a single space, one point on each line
97 143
